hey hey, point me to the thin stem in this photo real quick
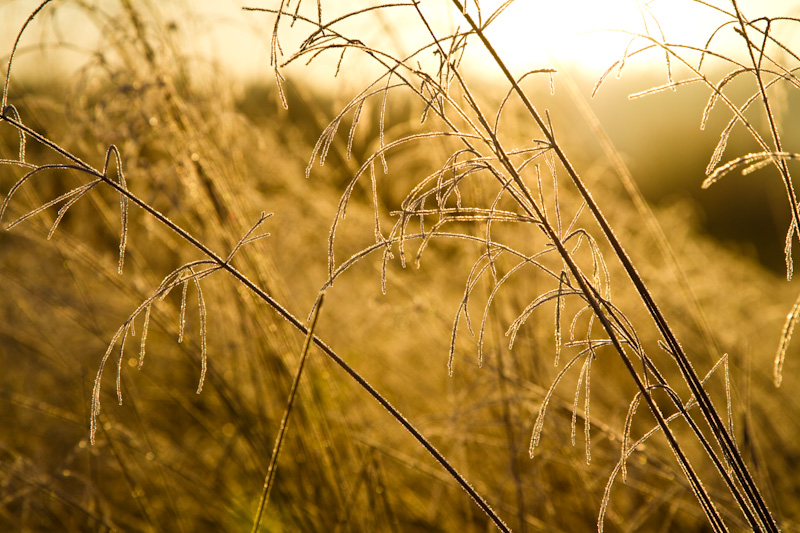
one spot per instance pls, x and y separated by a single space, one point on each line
279 440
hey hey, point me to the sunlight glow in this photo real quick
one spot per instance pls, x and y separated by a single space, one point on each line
591 34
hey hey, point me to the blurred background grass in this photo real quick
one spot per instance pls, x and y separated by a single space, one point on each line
211 155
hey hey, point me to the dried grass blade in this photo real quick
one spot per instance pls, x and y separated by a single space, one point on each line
123 201
472 281
182 316
248 237
786 337
715 94
356 117
751 162
25 178
273 463
201 306
587 423
787 250
66 207
559 309
671 85
125 332
574 419
95 411
626 435
76 191
145 329
539 424
22 137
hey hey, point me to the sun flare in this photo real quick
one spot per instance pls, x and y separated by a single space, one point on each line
592 34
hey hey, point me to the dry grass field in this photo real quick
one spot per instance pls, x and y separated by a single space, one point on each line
535 318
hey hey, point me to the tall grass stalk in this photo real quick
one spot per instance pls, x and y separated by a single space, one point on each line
279 440
752 497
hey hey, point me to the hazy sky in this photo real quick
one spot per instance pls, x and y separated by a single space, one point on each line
528 34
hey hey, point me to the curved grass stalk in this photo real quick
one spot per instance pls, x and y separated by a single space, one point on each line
729 448
222 264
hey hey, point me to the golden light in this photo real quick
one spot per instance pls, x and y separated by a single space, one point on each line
592 34
529 34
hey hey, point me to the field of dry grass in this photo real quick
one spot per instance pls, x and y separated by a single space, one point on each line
466 238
